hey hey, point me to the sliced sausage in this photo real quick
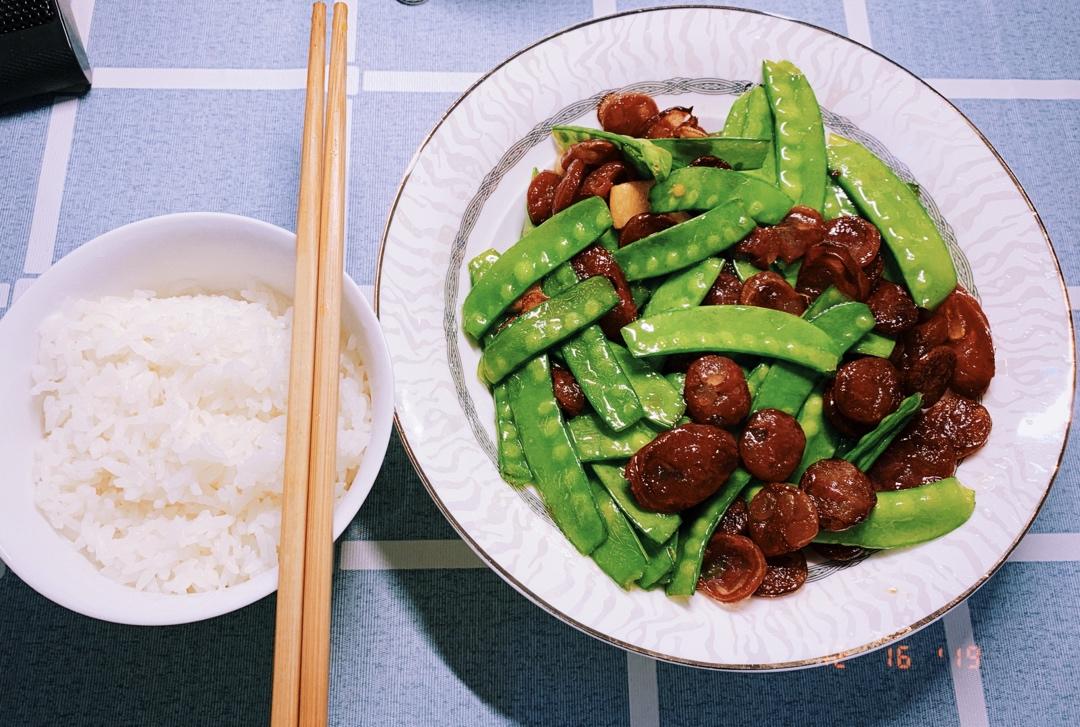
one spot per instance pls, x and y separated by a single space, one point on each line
626 113
783 519
771 445
849 428
682 467
532 297
843 495
761 247
665 123
828 264
541 195
859 236
600 180
874 271
731 569
735 518
593 152
568 392
969 337
595 260
690 131
801 228
929 374
642 225
566 193
867 389
914 458
784 574
769 290
725 291
963 422
835 551
716 392
710 161
894 310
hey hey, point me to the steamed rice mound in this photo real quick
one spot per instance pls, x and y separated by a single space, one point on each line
164 423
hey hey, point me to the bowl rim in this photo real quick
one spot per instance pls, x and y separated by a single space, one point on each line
209 604
537 600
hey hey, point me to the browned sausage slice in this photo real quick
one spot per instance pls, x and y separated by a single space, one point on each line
595 260
835 551
681 467
930 374
732 568
735 518
642 225
601 179
969 336
541 195
963 422
828 264
725 291
710 161
593 152
666 123
568 393
913 459
626 113
716 392
784 574
867 389
770 290
859 236
783 519
771 445
894 310
566 193
843 495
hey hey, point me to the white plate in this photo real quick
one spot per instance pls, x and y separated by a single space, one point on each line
464 192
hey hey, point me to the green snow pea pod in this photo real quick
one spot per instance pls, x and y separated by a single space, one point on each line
676 379
512 465
594 441
790 271
734 329
560 280
787 385
531 258
739 152
910 235
685 289
601 378
549 323
621 556
750 115
686 243
662 402
837 203
661 561
559 476
697 531
799 134
640 291
909 517
821 439
647 158
756 376
873 443
702 188
481 264
745 269
609 240
527 225
829 297
656 526
874 344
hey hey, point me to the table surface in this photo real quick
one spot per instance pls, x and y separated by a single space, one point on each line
197 105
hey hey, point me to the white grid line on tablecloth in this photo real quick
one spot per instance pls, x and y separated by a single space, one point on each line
644 695
406 555
857 20
50 190
1047 548
418 81
966 674
600 8
212 79
20 287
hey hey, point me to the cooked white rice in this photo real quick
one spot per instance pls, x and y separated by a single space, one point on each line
164 422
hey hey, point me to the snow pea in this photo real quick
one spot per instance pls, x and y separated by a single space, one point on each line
531 258
750 115
787 385
821 439
837 203
549 323
676 379
829 297
734 329
686 243
739 152
647 158
697 531
685 289
559 476
756 376
909 517
560 280
481 264
911 236
662 402
874 344
621 555
790 271
594 441
609 240
656 526
702 188
799 134
601 378
745 269
511 457
873 443
661 561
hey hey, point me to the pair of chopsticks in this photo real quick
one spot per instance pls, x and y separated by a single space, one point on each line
305 554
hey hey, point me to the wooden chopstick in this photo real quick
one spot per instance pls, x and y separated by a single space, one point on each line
285 698
318 553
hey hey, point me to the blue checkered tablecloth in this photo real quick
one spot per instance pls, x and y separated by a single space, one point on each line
197 105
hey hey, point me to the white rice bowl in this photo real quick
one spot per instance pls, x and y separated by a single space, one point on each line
164 434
